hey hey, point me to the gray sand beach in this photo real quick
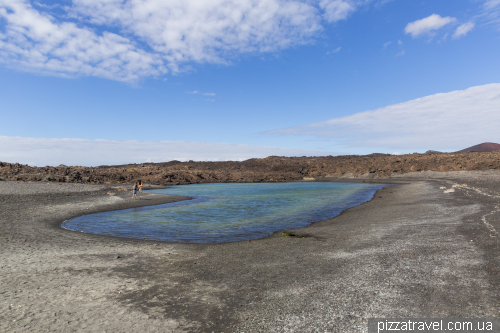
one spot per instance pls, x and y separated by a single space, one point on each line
429 247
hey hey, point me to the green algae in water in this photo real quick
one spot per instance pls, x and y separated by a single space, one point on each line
228 212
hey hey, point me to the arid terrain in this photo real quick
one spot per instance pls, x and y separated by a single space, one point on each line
273 168
427 248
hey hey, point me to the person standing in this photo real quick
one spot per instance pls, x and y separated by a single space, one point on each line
140 186
135 187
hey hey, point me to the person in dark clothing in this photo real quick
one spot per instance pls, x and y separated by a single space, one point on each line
135 188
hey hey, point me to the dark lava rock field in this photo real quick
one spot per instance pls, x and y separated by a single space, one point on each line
273 168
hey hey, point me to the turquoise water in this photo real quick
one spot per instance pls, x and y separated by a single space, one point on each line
228 212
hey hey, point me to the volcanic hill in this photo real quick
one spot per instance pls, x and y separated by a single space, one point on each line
487 146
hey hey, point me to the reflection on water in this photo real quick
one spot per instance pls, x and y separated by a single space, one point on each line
228 212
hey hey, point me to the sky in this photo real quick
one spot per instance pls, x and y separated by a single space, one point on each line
88 82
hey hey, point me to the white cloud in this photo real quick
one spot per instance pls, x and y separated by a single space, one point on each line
463 29
49 151
336 10
456 119
337 50
196 92
34 41
428 24
490 13
490 4
205 31
129 39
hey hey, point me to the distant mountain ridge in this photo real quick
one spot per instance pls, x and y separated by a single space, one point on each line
486 146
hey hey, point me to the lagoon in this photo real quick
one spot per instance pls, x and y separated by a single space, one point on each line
228 212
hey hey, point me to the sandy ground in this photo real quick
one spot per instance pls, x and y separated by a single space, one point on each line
427 248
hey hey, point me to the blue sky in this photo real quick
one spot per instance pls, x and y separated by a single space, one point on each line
238 79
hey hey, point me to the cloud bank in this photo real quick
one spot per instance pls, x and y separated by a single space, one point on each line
129 39
453 120
49 151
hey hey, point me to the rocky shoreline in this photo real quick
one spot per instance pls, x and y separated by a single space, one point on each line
273 168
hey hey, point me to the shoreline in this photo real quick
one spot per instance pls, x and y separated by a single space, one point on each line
146 199
182 198
414 250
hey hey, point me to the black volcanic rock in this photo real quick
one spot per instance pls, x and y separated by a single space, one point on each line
433 152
